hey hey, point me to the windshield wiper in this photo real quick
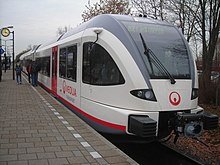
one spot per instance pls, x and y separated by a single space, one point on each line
146 52
150 55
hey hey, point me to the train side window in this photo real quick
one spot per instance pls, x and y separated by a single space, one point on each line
44 64
62 63
71 62
98 66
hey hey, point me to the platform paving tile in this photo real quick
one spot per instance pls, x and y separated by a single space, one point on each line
8 157
35 150
20 162
25 145
17 151
17 140
35 129
27 156
80 160
63 154
58 161
3 151
38 162
114 159
3 141
8 136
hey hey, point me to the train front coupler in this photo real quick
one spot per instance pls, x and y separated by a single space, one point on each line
192 124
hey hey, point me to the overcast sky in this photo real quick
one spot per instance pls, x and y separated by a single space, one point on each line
37 21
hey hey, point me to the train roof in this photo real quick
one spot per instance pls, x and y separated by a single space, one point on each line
25 55
29 53
107 21
110 22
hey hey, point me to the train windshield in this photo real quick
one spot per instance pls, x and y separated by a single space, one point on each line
166 44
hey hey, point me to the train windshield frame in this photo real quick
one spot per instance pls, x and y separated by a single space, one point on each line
167 45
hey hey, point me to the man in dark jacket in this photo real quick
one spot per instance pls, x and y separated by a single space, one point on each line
35 68
18 70
28 68
34 73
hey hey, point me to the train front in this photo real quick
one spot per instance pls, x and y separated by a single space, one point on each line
171 76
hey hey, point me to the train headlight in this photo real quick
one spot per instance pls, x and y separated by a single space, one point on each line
146 94
195 93
149 94
140 94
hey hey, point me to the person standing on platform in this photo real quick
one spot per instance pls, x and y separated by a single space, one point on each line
0 69
28 68
6 62
18 70
34 73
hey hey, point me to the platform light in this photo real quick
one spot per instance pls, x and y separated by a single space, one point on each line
6 30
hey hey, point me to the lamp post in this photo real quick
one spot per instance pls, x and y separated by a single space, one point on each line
5 32
13 54
0 59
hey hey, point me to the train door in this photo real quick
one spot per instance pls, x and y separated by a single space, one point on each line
54 70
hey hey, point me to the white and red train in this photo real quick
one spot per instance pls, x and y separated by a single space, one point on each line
125 75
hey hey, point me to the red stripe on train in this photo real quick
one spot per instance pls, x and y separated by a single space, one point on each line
102 122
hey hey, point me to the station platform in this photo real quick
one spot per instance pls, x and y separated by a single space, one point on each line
35 129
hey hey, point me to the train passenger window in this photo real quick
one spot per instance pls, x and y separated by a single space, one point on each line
68 62
71 62
44 64
98 66
62 64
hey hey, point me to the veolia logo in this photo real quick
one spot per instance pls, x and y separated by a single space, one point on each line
68 89
174 98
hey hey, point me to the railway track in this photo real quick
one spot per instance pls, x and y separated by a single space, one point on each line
154 153
191 159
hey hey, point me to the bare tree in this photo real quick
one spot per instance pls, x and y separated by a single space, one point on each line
184 12
106 7
210 27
